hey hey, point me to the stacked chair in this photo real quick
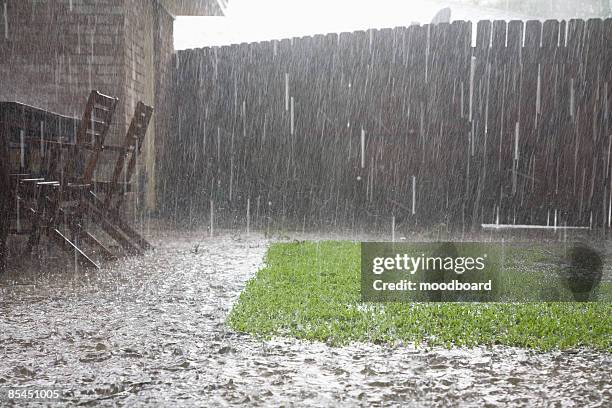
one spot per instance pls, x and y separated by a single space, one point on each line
63 202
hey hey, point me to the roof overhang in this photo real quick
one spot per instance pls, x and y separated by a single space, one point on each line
195 7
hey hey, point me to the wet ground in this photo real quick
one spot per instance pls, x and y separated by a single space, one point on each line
151 331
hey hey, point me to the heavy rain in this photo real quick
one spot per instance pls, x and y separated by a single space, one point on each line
185 186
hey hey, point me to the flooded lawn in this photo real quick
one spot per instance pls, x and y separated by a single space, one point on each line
151 331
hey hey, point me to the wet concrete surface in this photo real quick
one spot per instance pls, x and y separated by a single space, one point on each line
151 331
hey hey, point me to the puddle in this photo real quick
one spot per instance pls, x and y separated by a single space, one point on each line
151 330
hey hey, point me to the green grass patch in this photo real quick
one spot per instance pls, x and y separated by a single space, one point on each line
311 291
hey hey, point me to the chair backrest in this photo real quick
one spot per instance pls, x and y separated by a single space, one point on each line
131 146
95 124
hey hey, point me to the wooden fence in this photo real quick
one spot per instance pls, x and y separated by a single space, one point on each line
423 123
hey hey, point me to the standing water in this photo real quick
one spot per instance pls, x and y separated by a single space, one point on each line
150 328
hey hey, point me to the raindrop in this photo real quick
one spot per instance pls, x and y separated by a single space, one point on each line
204 140
610 207
244 117
462 111
413 195
235 94
362 148
516 157
76 261
22 148
472 74
292 117
218 144
286 91
539 93
427 53
42 139
5 22
212 217
231 185
248 217
216 64
572 98
18 210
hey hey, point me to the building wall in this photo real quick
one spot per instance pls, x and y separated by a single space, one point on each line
52 53
148 57
139 77
164 61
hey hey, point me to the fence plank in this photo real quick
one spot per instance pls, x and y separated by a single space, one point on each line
590 125
525 152
504 129
546 156
480 146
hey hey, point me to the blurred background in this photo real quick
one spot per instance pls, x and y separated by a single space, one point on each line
249 21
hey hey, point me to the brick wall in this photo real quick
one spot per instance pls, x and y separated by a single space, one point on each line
52 53
148 56
138 78
164 61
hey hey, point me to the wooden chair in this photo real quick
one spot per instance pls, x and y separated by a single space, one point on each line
65 192
107 210
62 181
